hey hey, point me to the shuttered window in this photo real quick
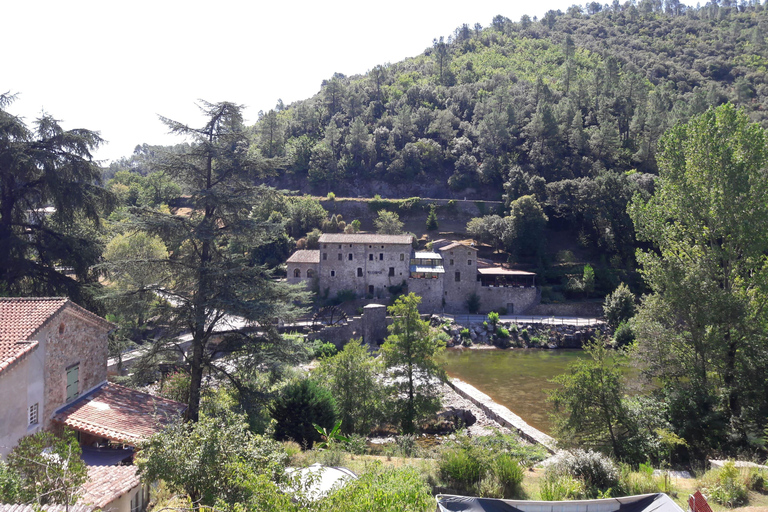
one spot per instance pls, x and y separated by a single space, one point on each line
73 382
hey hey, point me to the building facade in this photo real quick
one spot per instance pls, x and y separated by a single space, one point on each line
374 266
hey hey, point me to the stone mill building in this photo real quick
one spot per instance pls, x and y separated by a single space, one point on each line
375 266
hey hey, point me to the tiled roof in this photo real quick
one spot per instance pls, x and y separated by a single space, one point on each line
22 317
498 271
13 351
105 484
45 508
304 256
120 414
454 245
344 238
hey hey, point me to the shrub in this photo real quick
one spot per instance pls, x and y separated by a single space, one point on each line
331 196
299 406
481 469
524 334
473 303
432 224
619 306
464 334
643 481
343 296
501 332
461 468
493 318
725 485
561 487
323 349
623 335
598 473
176 387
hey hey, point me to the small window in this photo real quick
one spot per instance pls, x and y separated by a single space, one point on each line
325 256
381 256
391 271
339 256
350 256
370 289
382 246
451 262
333 273
339 246
310 272
458 276
402 257
359 272
73 382
469 262
370 246
325 246
296 272
370 257
33 416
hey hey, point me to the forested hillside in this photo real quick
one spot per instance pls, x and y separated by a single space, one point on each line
568 96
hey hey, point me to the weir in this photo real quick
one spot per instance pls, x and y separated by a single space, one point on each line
502 415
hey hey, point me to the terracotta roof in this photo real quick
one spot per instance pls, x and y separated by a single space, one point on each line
13 351
497 271
344 238
22 317
304 256
45 508
105 484
455 245
120 414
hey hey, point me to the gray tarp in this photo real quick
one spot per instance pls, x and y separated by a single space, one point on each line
644 503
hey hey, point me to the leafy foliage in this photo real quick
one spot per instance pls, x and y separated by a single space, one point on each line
300 406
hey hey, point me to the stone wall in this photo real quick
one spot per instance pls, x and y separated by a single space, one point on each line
21 386
579 309
517 300
71 338
431 293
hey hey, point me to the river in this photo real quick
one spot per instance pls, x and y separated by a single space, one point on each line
515 378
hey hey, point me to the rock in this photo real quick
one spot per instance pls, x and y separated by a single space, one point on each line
457 416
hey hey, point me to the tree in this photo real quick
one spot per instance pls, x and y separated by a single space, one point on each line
210 275
388 223
210 460
619 306
352 377
523 233
589 407
432 219
49 468
708 273
50 204
410 355
300 406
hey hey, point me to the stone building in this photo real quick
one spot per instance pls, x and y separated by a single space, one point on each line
374 266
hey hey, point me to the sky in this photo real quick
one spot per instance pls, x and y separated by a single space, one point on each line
114 67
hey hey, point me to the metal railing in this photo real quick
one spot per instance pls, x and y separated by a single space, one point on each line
527 319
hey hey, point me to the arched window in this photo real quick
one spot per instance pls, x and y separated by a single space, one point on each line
296 272
310 272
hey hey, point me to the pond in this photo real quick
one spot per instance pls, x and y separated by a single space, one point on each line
516 378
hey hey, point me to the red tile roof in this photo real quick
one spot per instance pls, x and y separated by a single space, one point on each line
120 414
304 256
105 484
454 245
45 508
21 317
13 351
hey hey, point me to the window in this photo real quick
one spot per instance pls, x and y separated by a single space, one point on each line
391 271
370 289
339 246
402 257
359 272
325 256
451 262
469 262
381 256
136 502
370 257
457 277
350 256
333 273
339 256
33 409
296 272
73 382
310 272
325 246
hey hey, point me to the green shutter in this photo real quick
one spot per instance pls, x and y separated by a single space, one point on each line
73 382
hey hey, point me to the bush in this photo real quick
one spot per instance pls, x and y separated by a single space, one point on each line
524 334
461 468
464 334
473 303
619 306
493 318
176 387
501 332
561 487
481 469
323 349
331 196
623 335
598 473
643 481
725 485
299 406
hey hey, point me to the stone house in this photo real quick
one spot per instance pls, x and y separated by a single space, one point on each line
53 372
374 266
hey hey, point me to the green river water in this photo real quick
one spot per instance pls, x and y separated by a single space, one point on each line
516 378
